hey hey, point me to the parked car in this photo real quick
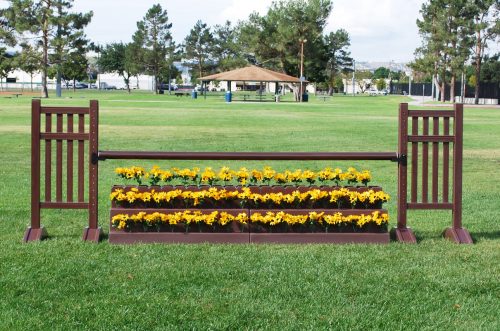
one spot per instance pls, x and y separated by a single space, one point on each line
106 86
80 85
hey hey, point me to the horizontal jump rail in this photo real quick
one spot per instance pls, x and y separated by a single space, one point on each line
298 156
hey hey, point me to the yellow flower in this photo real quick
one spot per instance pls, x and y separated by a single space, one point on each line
208 176
242 175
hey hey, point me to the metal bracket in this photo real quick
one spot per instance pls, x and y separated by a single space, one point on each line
95 158
401 159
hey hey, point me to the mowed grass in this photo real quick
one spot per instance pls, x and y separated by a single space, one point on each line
64 283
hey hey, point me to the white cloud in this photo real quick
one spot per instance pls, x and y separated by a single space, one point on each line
380 30
238 10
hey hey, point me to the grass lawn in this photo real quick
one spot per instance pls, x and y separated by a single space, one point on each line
64 283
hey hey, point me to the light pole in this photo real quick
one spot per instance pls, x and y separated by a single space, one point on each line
353 76
302 42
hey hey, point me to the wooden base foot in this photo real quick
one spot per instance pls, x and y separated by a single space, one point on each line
92 235
34 234
404 235
458 235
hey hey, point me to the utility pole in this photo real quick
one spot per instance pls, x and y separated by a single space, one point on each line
302 41
409 86
353 72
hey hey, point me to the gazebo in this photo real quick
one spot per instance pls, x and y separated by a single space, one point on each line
251 73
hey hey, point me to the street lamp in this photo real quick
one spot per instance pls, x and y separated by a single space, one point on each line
302 42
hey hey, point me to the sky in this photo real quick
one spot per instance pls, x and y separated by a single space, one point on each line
380 30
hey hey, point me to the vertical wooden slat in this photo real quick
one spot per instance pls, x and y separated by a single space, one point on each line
402 167
446 161
414 161
48 159
435 160
35 165
81 159
59 157
457 166
425 163
69 161
93 164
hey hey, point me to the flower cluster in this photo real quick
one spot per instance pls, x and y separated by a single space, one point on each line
245 195
272 218
187 217
244 176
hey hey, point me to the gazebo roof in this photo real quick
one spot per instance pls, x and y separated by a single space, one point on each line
252 74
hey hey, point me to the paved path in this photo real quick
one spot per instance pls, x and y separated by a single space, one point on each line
427 102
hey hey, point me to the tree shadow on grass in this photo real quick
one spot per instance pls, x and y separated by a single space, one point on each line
485 235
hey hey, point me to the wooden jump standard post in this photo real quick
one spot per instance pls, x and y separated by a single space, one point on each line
92 232
420 136
35 231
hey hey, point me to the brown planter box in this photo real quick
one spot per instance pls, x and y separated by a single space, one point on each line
236 204
307 228
122 237
241 233
319 238
233 232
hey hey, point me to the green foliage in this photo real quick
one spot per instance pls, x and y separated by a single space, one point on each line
8 63
380 84
338 57
227 51
274 39
122 59
153 46
52 28
450 29
490 69
381 72
199 49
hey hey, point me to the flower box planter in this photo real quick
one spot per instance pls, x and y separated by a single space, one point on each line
150 229
315 233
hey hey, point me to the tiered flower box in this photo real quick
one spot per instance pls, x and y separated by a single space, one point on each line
156 221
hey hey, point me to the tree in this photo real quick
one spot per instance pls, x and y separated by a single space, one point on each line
445 29
274 40
8 63
363 79
51 28
120 58
338 56
153 34
199 47
380 84
227 52
486 28
490 69
29 61
381 72
74 69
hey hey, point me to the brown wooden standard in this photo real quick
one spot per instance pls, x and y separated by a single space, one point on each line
440 136
67 200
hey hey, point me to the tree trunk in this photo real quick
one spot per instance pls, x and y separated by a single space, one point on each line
45 58
477 67
452 88
127 83
31 82
74 85
443 91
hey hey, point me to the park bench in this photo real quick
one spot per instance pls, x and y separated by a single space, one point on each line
180 94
